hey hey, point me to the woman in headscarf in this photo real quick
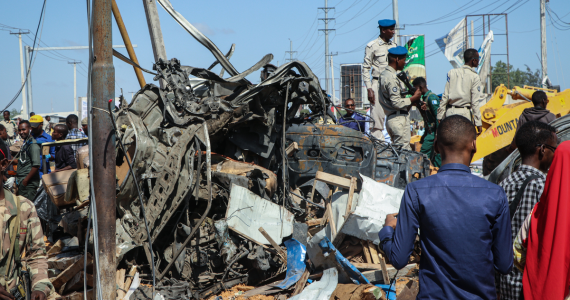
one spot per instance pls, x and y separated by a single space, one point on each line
545 235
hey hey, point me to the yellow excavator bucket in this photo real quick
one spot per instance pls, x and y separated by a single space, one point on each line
500 122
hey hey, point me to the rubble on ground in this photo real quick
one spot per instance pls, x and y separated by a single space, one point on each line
243 195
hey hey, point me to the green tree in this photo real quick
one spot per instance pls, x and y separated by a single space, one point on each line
517 77
14 112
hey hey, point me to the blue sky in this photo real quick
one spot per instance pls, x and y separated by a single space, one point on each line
261 27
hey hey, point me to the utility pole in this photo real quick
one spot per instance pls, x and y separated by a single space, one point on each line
332 81
74 84
326 20
395 16
22 69
332 75
30 103
472 36
23 78
543 43
155 32
103 136
291 51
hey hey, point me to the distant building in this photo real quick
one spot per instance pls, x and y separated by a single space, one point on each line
352 85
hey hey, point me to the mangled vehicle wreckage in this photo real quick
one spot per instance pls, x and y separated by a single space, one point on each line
192 141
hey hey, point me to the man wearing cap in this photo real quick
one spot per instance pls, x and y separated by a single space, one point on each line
462 94
375 57
394 104
84 126
11 127
47 154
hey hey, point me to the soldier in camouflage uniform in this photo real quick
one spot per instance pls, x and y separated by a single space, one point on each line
31 238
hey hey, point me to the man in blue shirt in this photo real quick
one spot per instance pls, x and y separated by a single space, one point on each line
463 222
352 119
36 122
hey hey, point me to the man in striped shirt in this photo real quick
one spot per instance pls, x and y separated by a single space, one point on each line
75 133
536 142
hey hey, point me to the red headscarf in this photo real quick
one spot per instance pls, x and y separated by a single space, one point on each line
547 269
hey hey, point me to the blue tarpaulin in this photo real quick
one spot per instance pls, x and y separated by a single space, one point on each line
296 253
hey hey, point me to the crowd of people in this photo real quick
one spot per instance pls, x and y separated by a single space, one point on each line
471 231
21 148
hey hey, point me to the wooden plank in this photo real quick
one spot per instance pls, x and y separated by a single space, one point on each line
333 179
129 279
76 283
300 285
314 222
252 240
367 266
331 220
375 273
313 191
350 196
366 251
273 243
384 270
409 292
82 205
62 263
291 148
68 273
373 253
56 248
65 142
120 280
325 218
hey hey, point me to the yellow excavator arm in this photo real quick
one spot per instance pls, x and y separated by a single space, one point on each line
500 122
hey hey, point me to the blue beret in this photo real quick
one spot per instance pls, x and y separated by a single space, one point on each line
386 23
398 50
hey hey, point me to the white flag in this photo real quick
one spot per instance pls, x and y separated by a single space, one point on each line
453 44
485 59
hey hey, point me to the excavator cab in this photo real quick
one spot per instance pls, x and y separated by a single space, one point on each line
500 121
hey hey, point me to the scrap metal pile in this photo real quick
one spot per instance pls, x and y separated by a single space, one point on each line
217 159
239 187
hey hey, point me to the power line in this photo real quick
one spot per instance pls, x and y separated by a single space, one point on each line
454 12
310 29
359 48
32 56
357 14
557 17
493 20
342 12
367 22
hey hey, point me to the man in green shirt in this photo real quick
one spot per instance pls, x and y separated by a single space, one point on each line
430 107
27 174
